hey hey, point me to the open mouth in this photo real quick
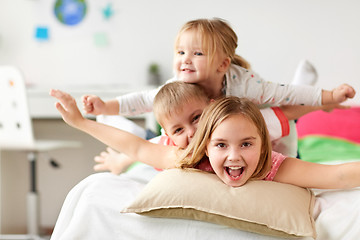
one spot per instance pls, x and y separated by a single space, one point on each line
234 172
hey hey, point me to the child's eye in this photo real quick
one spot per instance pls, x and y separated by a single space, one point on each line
177 130
221 145
198 54
181 52
246 144
196 118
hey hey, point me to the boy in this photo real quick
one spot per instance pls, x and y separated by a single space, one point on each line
177 108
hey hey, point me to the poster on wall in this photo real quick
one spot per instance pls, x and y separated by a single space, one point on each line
74 20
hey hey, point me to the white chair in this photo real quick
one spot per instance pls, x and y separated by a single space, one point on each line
16 134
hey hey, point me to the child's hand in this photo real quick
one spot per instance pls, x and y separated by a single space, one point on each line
342 93
93 105
112 161
67 108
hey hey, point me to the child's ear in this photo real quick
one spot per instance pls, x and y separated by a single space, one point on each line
224 65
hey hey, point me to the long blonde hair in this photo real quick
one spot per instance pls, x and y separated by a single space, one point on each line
216 35
212 116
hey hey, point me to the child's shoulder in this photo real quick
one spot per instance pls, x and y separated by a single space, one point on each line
236 70
237 74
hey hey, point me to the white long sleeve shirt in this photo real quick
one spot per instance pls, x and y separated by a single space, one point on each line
240 82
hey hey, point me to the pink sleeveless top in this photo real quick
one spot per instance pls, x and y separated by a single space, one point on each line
277 160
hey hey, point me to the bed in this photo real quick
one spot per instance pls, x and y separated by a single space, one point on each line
94 208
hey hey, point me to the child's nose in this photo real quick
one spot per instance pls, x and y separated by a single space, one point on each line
191 132
234 154
187 59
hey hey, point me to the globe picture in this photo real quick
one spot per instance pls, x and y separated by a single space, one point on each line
70 12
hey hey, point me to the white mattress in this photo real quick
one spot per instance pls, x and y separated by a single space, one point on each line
92 211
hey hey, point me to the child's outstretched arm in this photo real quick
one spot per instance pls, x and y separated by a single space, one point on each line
313 175
95 105
338 95
139 149
293 112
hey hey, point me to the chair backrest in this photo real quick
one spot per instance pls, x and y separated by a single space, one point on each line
15 123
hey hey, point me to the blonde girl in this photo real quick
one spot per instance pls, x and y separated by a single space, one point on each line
205 55
233 135
212 117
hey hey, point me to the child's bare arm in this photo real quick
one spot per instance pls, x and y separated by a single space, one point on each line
313 175
293 112
139 149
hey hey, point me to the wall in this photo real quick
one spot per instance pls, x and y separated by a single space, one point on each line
273 35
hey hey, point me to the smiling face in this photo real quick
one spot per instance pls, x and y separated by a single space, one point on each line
234 150
191 61
181 125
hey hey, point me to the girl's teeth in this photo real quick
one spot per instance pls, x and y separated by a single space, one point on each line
234 172
235 168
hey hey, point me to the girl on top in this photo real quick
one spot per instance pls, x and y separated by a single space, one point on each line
205 55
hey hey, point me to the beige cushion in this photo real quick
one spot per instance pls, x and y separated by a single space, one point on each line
264 207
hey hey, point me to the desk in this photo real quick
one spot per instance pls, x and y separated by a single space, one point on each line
32 152
52 183
42 105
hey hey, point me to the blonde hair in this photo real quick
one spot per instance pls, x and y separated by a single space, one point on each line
212 117
216 35
173 96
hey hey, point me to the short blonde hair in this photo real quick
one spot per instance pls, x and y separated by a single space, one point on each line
172 97
212 117
216 35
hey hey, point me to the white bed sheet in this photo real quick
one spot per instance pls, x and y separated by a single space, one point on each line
92 211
